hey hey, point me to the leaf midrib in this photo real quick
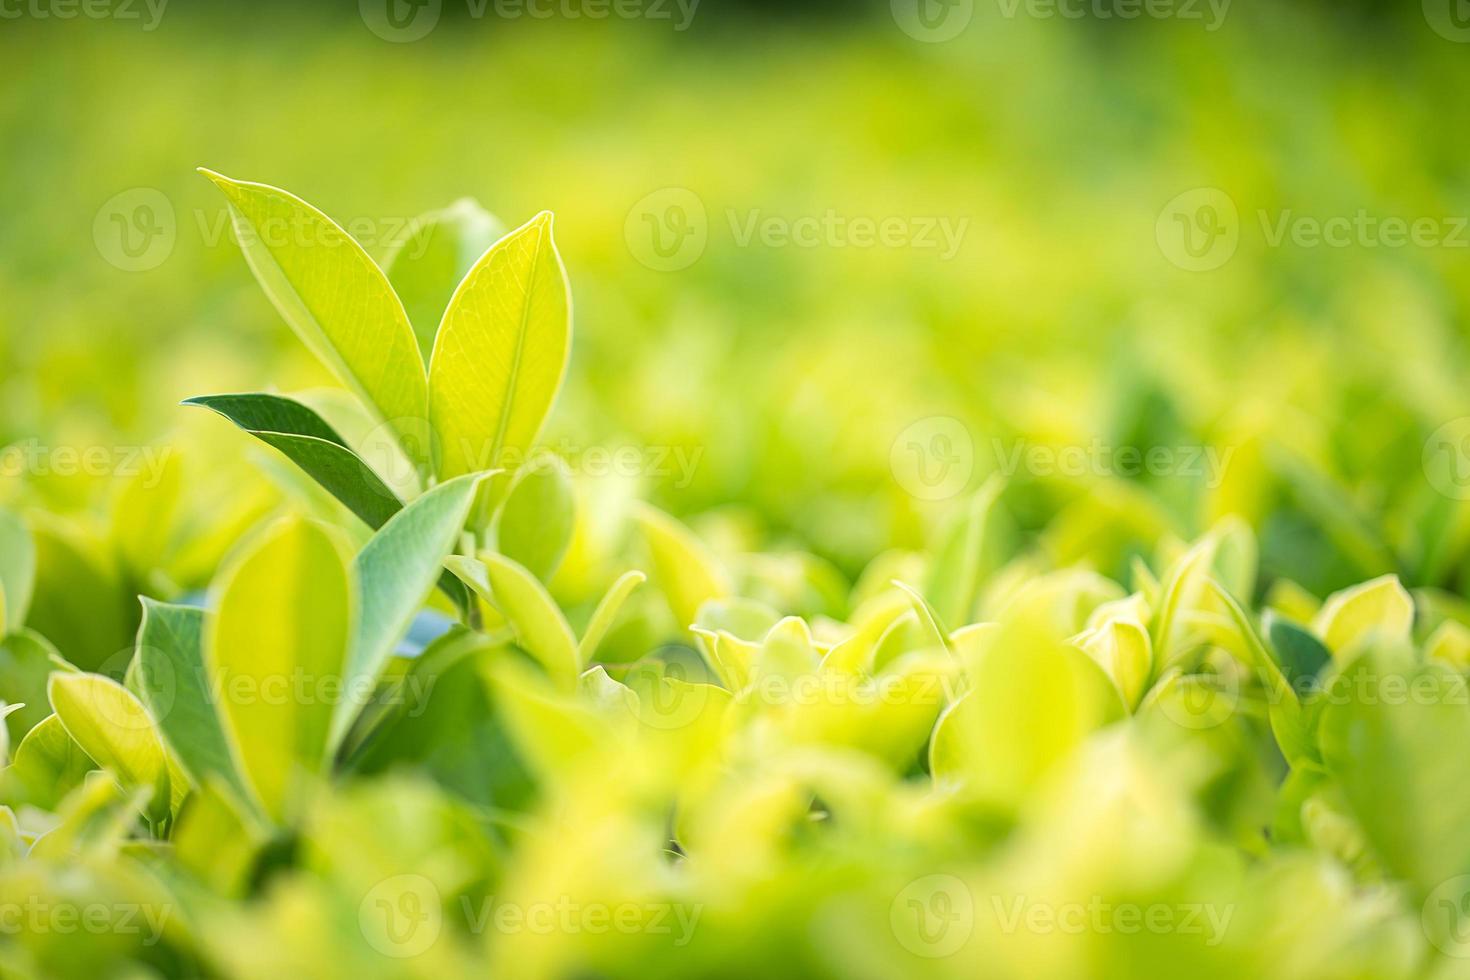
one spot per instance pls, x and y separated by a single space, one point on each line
515 364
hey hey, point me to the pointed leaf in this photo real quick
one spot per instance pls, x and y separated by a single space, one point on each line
396 571
275 649
336 299
606 614
17 570
500 353
433 258
49 764
174 686
682 566
309 442
541 629
1379 610
535 523
114 729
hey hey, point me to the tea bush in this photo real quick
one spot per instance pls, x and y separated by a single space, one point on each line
446 707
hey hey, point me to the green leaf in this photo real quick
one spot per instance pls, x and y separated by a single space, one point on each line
144 515
440 720
26 662
17 570
49 764
606 614
935 633
433 257
1032 702
954 579
541 629
309 442
173 684
80 603
396 571
114 729
275 648
535 523
682 566
1400 759
1375 611
216 840
336 299
1300 654
500 353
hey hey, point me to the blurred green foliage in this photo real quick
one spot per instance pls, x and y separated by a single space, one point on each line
1130 747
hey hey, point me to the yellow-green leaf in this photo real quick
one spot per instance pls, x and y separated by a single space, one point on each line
114 729
607 613
1379 610
275 650
541 629
500 353
336 299
682 566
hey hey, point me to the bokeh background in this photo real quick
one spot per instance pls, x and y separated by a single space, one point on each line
1132 261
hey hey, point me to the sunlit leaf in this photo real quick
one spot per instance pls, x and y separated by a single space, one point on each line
276 649
500 353
336 299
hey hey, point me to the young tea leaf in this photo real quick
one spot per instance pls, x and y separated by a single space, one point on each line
114 729
500 353
309 442
336 299
276 647
396 570
173 685
433 257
